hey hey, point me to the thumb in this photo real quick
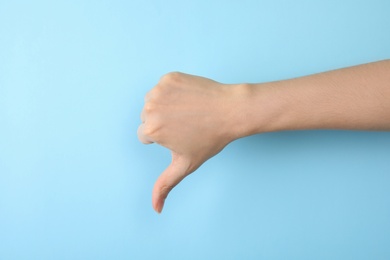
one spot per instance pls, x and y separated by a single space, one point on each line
176 171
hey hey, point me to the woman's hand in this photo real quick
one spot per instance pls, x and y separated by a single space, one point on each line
193 117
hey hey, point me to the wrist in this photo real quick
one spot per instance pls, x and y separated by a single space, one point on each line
259 108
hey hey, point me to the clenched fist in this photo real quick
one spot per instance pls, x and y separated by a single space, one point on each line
191 116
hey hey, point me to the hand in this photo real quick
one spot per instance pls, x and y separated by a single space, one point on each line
191 116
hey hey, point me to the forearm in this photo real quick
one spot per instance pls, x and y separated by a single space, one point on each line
351 98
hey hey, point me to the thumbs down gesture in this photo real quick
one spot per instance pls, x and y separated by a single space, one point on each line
194 117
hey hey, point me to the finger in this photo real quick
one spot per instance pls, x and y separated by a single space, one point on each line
172 175
147 96
142 137
143 117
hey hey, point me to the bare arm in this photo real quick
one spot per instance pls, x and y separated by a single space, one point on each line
196 117
351 98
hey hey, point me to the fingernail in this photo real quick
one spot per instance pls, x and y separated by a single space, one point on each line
160 206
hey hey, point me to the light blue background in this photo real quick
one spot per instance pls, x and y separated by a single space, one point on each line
75 183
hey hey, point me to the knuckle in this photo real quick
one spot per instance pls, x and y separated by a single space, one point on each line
165 189
155 94
148 96
149 108
171 77
151 130
148 130
139 132
141 135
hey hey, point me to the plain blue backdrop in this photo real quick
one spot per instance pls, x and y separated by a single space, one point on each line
75 183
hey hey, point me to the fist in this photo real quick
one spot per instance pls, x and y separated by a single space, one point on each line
191 116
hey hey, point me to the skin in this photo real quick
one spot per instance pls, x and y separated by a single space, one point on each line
196 117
